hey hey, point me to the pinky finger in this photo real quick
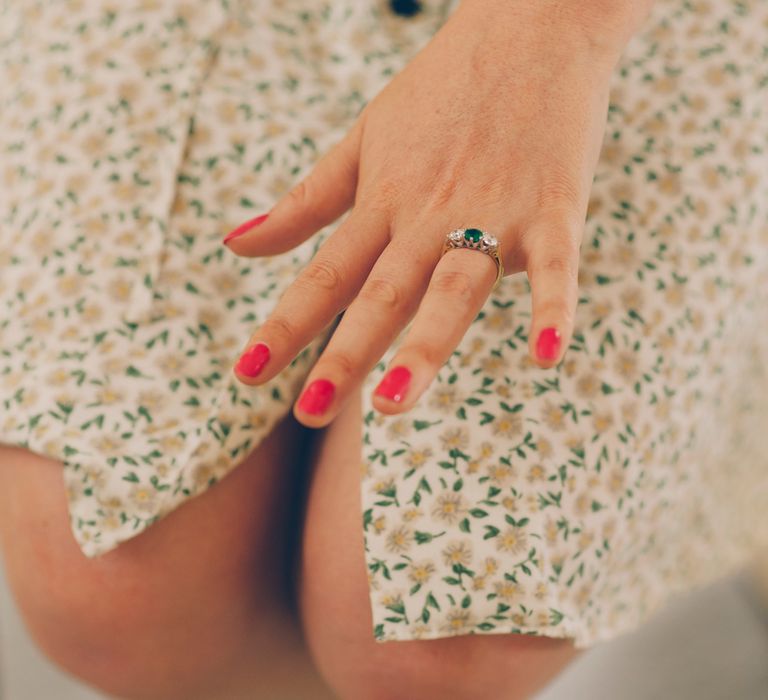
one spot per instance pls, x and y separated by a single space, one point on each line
553 271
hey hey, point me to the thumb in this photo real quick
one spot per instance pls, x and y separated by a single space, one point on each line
316 200
553 271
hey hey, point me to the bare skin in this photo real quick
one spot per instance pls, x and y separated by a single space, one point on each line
496 123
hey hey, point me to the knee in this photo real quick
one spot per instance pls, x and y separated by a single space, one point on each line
121 628
481 667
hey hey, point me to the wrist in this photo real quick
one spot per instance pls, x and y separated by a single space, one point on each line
606 25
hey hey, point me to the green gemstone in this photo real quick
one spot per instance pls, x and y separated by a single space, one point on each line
473 234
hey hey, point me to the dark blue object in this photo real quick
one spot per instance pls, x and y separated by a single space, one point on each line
406 8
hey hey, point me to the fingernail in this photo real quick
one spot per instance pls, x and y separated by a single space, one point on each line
548 344
394 383
317 397
247 226
253 360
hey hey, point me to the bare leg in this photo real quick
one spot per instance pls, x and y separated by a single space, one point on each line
336 614
197 606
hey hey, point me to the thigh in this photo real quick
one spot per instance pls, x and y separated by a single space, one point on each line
208 578
334 603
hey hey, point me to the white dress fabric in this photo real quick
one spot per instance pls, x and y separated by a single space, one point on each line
567 502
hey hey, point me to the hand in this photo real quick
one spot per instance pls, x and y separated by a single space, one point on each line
497 123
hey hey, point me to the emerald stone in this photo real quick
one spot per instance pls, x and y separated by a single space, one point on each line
473 234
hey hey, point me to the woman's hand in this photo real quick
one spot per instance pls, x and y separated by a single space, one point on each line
497 123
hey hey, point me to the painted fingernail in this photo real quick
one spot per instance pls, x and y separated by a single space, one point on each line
394 383
317 397
243 228
253 360
548 344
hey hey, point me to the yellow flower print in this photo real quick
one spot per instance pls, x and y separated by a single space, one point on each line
588 385
91 313
503 390
600 310
486 449
455 438
542 618
449 507
201 475
421 573
601 421
507 425
626 365
629 412
143 498
119 289
412 514
500 473
497 320
510 503
553 416
69 285
373 581
41 324
457 621
507 590
536 473
513 540
550 531
490 566
616 481
384 485
417 458
457 553
544 448
58 377
444 398
478 583
171 444
152 400
399 540
582 503
493 365
173 366
399 428
379 524
107 396
108 445
585 539
473 466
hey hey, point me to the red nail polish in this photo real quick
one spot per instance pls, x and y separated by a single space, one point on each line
394 383
253 359
317 397
247 226
548 344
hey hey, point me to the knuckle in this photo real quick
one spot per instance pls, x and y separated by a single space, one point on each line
431 354
300 194
343 363
381 291
281 329
454 282
321 273
556 262
555 307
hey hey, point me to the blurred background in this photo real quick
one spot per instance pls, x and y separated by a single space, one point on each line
711 644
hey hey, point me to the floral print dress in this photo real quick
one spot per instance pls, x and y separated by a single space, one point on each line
567 502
